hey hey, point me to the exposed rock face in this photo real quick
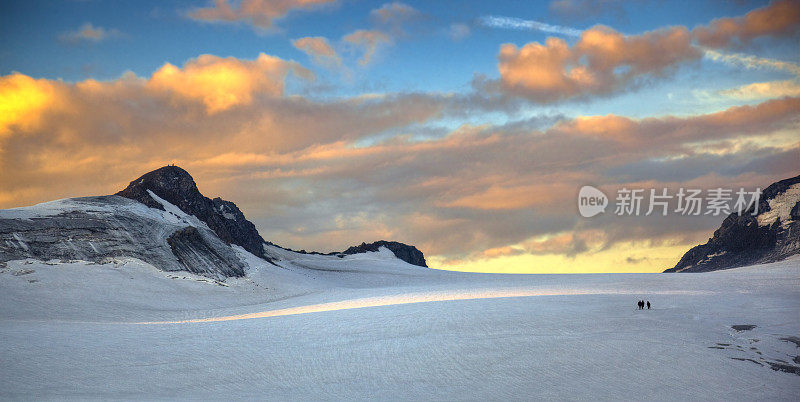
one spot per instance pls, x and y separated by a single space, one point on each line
407 253
771 235
199 255
99 228
176 186
160 218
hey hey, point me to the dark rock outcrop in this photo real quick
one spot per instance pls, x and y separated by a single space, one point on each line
176 186
750 239
409 254
197 255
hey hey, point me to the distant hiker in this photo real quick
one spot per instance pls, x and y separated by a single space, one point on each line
648 304
639 303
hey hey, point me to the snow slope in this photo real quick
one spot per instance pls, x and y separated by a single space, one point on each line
107 227
370 326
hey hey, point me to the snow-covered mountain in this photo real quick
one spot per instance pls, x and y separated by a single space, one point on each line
161 218
772 234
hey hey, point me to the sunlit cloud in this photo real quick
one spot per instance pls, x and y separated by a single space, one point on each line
482 178
88 33
764 90
222 83
320 51
291 163
370 41
779 18
261 14
757 90
23 100
601 62
394 15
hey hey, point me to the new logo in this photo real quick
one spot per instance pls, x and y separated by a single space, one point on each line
591 201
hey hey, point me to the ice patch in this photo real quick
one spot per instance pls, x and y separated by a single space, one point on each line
176 212
21 242
225 213
780 207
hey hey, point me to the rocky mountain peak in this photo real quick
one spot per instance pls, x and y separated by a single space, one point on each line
176 186
171 183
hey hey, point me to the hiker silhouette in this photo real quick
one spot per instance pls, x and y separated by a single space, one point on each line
648 304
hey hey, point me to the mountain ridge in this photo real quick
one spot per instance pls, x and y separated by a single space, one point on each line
772 234
160 218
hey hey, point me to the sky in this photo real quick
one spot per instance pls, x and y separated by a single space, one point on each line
466 128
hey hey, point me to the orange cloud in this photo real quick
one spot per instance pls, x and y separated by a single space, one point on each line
319 50
259 13
668 131
395 11
292 163
23 100
88 32
222 83
498 197
368 40
392 17
779 18
500 251
764 90
602 61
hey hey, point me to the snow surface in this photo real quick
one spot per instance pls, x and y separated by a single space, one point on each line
90 205
369 326
781 206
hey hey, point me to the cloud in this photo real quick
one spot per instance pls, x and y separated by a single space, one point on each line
52 132
303 172
751 61
758 90
604 61
23 100
512 187
492 21
222 83
601 62
370 41
320 51
779 18
394 15
458 31
388 24
322 175
260 14
88 33
764 90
